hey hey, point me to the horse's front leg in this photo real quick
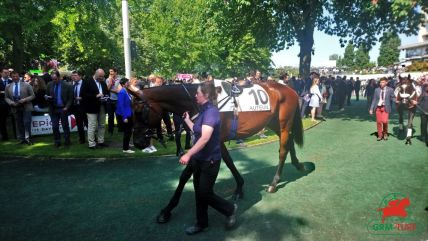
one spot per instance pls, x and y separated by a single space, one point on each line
238 194
400 117
282 156
165 213
410 126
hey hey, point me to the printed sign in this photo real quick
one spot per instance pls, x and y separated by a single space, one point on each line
42 125
183 76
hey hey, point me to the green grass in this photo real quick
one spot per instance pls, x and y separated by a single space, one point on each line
118 199
43 146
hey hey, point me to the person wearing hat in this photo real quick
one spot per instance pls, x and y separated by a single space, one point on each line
124 111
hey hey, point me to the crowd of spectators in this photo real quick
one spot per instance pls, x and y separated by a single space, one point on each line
93 98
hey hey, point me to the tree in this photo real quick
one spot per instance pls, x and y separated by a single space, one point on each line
348 56
388 51
333 57
195 36
359 21
362 58
339 62
26 31
87 40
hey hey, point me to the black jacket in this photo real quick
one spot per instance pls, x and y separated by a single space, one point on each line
89 92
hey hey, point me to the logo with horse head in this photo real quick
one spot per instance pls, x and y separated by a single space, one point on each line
394 217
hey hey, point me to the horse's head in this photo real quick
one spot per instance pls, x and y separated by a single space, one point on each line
405 92
149 106
147 115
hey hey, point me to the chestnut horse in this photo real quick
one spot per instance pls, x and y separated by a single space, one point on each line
283 118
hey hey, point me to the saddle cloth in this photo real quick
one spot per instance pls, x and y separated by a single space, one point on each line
253 98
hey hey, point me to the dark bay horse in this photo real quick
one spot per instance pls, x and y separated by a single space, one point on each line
405 94
283 118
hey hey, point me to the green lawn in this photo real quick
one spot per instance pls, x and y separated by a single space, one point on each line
43 146
350 173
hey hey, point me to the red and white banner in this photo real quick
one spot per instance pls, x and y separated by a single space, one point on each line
42 125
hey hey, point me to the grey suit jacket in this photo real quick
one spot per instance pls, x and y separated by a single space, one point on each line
389 98
26 94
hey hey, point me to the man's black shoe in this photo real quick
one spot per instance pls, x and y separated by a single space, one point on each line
231 220
194 229
163 217
92 147
28 142
57 145
102 144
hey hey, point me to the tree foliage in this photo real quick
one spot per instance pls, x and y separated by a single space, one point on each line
348 57
388 51
85 39
25 31
222 36
333 57
362 58
358 21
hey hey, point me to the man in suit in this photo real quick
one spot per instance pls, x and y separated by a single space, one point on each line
382 105
4 107
357 88
18 95
77 107
60 97
94 94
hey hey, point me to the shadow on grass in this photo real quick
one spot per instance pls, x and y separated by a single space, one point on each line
119 200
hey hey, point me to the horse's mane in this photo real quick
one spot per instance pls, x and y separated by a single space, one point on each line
166 92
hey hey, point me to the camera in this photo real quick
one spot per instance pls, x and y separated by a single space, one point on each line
105 98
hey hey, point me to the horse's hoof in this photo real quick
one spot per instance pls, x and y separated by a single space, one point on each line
271 189
163 217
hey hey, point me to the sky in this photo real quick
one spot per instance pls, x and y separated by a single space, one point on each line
326 45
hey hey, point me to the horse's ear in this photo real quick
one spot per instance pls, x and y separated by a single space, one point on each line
218 89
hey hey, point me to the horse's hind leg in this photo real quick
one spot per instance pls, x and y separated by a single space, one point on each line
238 194
283 151
294 160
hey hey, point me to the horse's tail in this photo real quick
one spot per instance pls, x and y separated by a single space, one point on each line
298 127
